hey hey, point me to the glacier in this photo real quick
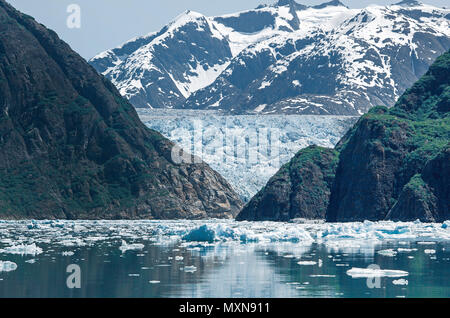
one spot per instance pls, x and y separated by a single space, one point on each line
224 141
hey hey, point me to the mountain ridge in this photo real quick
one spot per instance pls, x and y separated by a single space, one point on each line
340 61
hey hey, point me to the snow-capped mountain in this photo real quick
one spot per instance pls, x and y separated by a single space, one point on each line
283 58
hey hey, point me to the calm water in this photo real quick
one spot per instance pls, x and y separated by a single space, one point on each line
233 260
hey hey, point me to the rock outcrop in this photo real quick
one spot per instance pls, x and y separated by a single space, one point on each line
301 189
72 147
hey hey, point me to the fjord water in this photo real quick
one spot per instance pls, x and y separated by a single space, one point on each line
223 259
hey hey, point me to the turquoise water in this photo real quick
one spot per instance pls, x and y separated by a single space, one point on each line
166 265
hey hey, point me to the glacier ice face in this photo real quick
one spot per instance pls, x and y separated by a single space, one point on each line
246 150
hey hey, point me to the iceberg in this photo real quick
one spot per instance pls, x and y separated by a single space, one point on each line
130 247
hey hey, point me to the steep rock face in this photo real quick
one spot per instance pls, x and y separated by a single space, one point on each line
386 161
427 195
72 147
301 188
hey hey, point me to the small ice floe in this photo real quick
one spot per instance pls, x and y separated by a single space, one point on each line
134 275
401 281
288 256
7 266
426 243
370 272
31 261
22 249
307 263
323 275
388 253
410 257
429 251
406 250
179 258
189 269
154 282
320 263
68 253
130 247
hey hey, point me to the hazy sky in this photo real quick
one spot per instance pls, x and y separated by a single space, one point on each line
108 23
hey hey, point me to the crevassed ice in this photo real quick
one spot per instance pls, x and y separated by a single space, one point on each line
246 150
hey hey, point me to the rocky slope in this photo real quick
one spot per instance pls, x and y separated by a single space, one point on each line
285 58
72 147
393 164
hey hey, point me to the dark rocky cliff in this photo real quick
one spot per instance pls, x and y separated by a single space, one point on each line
393 164
72 147
301 189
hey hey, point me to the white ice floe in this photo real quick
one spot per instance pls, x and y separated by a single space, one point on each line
430 251
406 250
307 263
401 281
388 253
189 269
7 266
67 253
22 249
369 272
130 247
154 282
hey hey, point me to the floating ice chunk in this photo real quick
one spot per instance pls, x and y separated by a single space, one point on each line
430 251
307 263
179 258
22 249
426 243
67 253
190 269
323 275
369 272
134 275
154 282
129 247
31 261
200 234
406 250
401 281
7 266
388 253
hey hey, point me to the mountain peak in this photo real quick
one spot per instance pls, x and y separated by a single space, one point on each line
332 3
409 3
291 3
